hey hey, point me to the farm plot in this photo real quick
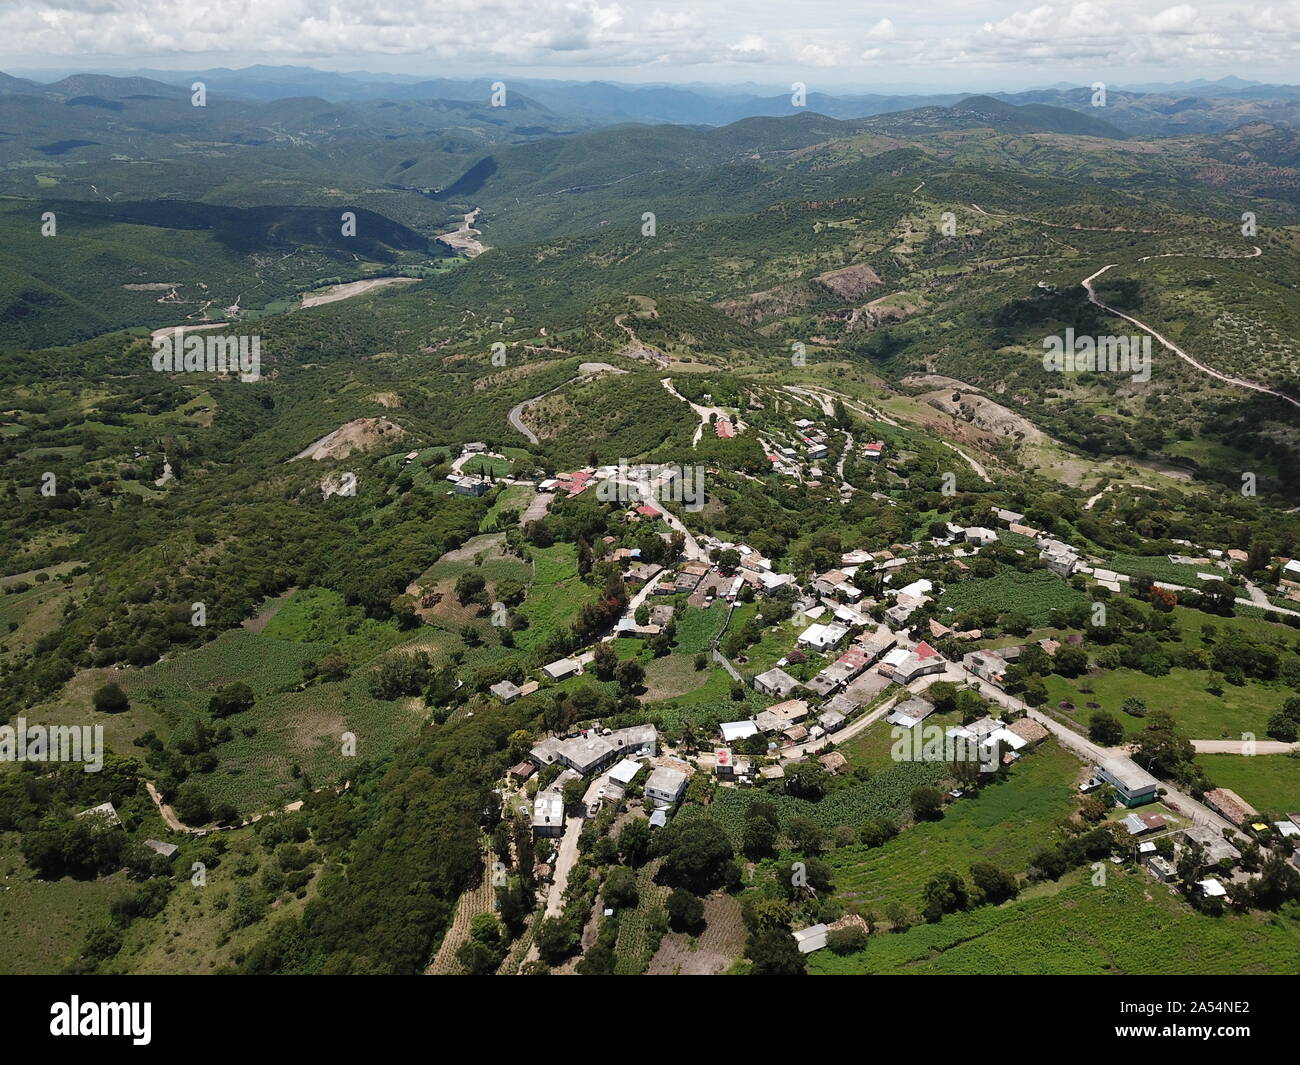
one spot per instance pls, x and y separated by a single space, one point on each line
1004 823
1035 594
1126 927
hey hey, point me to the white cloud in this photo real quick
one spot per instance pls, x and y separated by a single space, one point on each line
882 31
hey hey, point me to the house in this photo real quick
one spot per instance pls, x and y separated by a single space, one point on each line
565 667
1140 824
781 716
1211 888
833 721
843 703
625 772
522 771
105 811
1133 785
872 450
1161 868
659 818
469 486
165 849
1062 563
983 537
775 682
893 660
836 583
666 785
875 644
723 764
811 938
795 733
506 691
1231 805
737 730
1029 730
823 637
1009 517
1211 841
918 589
587 754
834 762
816 450
987 665
771 772
921 662
637 740
910 713
548 814
938 630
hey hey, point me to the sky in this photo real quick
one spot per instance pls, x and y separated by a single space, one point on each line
826 44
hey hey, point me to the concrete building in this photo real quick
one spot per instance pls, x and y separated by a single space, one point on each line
1133 785
666 785
548 814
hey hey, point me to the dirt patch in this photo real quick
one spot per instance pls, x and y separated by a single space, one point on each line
850 282
778 302
391 400
716 949
363 434
984 414
352 288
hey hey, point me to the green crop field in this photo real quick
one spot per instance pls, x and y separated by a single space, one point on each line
1035 594
1132 925
1004 823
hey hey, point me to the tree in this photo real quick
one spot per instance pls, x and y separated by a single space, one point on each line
604 660
806 780
806 835
1070 661
774 952
634 842
111 699
232 699
191 804
992 885
696 854
479 959
945 892
851 940
1162 749
620 888
759 838
598 961
470 587
1105 729
556 939
685 911
631 674
927 803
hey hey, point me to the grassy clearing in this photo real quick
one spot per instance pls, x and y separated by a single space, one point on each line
1199 714
1269 782
43 923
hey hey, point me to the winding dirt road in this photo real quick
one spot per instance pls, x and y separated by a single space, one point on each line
1225 378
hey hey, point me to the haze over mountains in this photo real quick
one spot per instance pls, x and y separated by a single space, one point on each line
1159 109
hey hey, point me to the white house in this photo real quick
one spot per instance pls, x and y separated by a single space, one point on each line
666 785
822 637
548 814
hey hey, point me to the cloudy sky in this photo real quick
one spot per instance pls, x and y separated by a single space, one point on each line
825 43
